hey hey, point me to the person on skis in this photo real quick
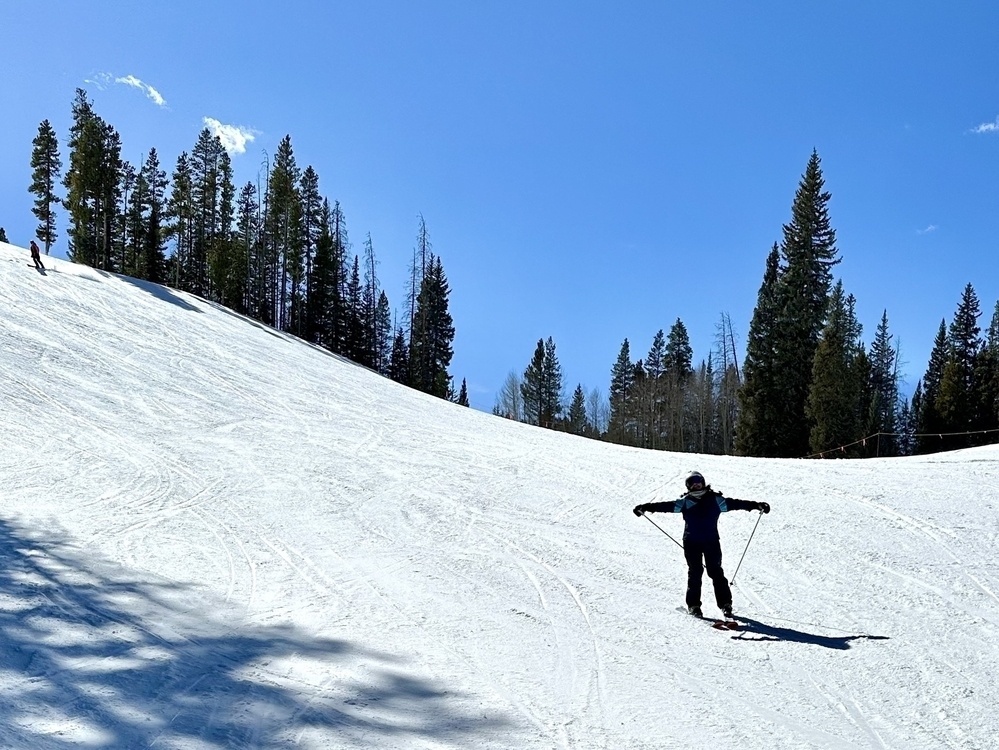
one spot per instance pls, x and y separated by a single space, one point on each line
36 256
701 506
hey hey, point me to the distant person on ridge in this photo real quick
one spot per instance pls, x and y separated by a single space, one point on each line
36 256
701 507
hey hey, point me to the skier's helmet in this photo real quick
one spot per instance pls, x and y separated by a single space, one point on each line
695 481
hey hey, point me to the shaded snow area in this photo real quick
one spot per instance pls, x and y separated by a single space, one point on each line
213 535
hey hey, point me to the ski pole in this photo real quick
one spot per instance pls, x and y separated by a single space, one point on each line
745 551
661 529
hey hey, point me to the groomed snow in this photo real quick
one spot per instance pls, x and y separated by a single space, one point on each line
213 535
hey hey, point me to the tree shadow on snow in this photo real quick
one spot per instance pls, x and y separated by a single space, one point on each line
159 291
758 631
92 657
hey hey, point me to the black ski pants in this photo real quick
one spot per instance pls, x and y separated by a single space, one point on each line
711 554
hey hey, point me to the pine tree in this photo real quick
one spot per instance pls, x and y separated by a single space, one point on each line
809 252
180 224
463 394
532 386
383 334
834 400
399 362
248 240
46 167
619 428
758 425
551 406
83 182
312 212
576 421
354 345
677 371
432 338
884 385
957 398
986 378
653 399
3 235
928 418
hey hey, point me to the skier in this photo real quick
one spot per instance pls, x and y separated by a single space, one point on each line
701 506
36 256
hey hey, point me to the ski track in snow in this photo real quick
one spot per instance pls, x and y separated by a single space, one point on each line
216 535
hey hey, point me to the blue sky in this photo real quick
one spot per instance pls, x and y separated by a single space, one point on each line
587 171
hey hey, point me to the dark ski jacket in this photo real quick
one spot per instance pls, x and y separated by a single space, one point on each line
700 514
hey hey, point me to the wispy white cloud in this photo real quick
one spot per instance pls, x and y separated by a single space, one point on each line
152 94
104 80
234 137
987 127
930 228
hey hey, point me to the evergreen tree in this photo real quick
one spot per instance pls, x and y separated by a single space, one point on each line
463 394
808 251
532 386
46 167
759 397
986 378
431 340
928 418
83 180
957 398
834 401
180 225
312 227
248 240
576 421
654 398
905 439
354 311
383 334
3 235
399 362
151 258
282 229
619 427
551 406
677 371
884 389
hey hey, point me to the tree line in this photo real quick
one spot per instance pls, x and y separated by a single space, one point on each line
278 253
808 385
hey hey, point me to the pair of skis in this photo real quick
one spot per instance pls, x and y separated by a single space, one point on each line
717 624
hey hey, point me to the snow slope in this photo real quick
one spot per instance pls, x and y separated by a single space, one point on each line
214 535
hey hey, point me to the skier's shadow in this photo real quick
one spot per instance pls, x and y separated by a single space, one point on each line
758 631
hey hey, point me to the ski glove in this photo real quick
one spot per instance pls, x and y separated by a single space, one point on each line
763 507
639 510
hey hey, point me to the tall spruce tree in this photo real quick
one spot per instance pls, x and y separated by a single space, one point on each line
986 379
46 168
677 372
808 251
929 423
180 224
532 385
431 347
957 398
758 426
837 384
884 389
576 421
619 427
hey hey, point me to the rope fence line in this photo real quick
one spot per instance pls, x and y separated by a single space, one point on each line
863 440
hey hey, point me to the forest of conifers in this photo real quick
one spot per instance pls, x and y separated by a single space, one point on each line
280 253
